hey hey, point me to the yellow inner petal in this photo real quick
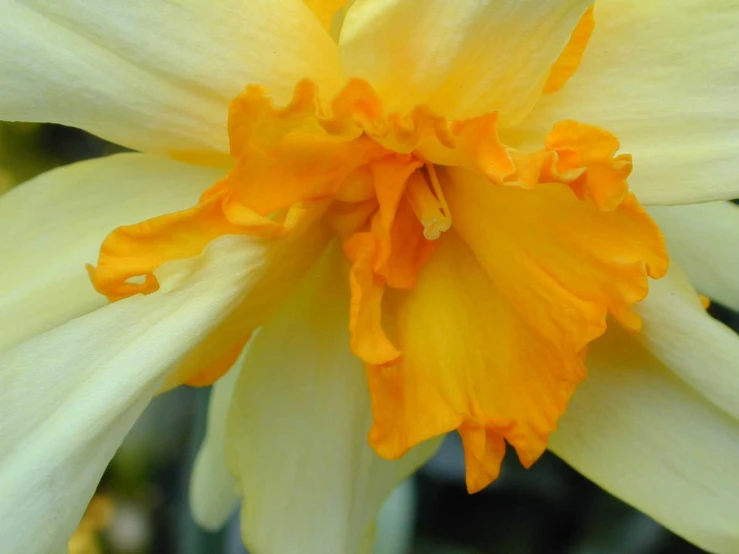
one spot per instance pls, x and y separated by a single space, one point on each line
569 60
550 242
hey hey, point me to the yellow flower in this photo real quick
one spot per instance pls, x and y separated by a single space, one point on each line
422 226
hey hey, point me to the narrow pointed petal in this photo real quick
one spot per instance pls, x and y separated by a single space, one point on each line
70 395
213 496
701 350
154 76
663 76
645 436
703 239
462 58
297 431
51 226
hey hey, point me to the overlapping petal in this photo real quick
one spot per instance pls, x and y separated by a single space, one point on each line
70 395
154 76
663 76
284 265
650 439
462 58
53 225
703 239
296 436
701 350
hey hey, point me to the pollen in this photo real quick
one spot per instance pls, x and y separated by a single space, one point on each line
427 201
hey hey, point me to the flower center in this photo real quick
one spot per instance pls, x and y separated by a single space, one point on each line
429 205
379 180
490 268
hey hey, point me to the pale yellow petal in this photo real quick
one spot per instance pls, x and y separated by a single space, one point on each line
70 395
213 497
701 350
51 226
645 436
663 76
154 76
297 431
289 259
704 240
462 58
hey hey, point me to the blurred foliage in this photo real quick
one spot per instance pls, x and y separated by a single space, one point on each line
98 516
548 509
142 508
21 155
27 149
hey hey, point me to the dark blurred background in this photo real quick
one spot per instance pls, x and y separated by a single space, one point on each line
141 506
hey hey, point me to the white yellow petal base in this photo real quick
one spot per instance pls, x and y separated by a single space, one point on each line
71 394
647 437
297 429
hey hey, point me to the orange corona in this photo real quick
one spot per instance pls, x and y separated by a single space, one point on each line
430 213
394 188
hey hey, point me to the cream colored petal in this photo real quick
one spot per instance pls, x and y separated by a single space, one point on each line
289 260
297 431
663 76
213 497
704 240
641 433
51 226
462 58
698 348
154 76
70 395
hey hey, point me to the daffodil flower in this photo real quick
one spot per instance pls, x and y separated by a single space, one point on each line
413 216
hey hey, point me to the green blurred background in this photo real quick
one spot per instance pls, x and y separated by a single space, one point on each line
141 506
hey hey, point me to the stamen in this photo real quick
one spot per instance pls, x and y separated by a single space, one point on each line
430 207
